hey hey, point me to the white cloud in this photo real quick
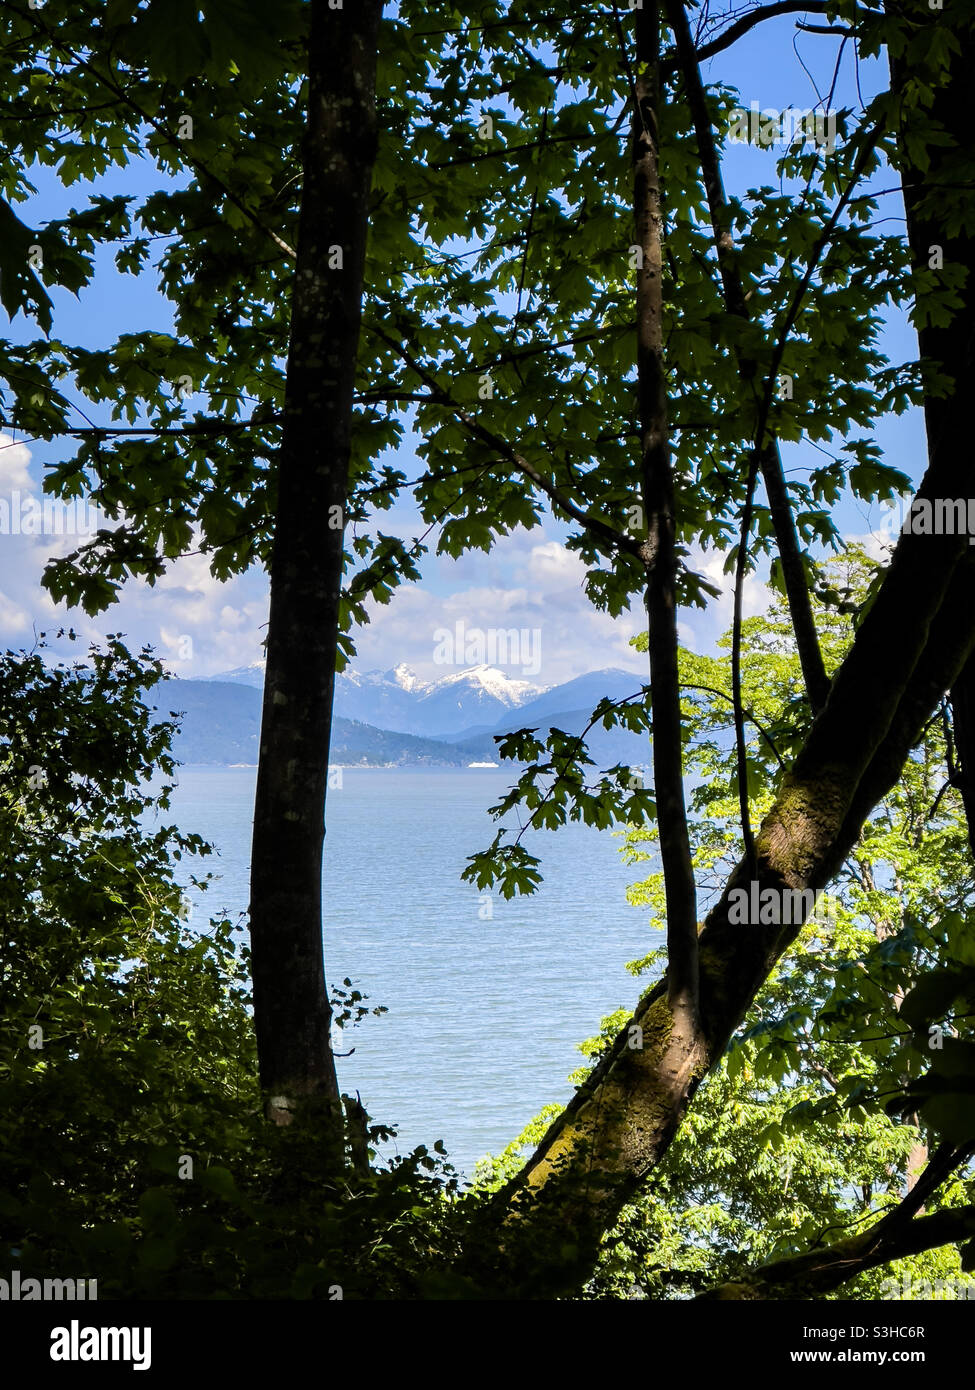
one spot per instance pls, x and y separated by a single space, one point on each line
878 544
232 619
552 564
495 600
14 619
526 583
14 460
699 628
201 626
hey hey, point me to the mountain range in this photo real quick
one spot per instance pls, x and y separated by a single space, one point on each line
385 718
469 701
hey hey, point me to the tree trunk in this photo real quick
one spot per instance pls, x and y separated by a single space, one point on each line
949 345
660 547
291 1006
736 301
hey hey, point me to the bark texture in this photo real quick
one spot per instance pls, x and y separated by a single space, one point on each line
736 301
948 346
659 551
292 1013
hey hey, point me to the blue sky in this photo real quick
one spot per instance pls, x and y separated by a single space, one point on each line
200 626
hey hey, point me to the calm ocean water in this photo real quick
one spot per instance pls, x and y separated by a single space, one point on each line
484 1014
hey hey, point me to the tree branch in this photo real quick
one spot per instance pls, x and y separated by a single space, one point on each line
121 95
741 27
898 1234
608 535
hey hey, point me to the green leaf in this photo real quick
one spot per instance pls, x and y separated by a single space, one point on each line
931 997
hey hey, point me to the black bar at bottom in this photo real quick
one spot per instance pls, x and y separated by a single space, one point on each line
65 1340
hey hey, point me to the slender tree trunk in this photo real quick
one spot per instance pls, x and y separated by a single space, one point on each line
659 550
936 197
291 1006
736 302
963 724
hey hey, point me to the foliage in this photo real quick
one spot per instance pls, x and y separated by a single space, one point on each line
528 226
844 1068
134 1148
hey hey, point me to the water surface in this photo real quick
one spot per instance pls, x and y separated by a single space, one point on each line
485 1012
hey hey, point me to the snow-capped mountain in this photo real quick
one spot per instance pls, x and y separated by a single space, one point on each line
393 718
243 675
479 695
402 676
494 684
400 701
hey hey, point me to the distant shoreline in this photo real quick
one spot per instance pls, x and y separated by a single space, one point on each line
376 767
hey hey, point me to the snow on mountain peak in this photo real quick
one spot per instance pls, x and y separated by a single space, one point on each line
480 682
493 682
406 678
